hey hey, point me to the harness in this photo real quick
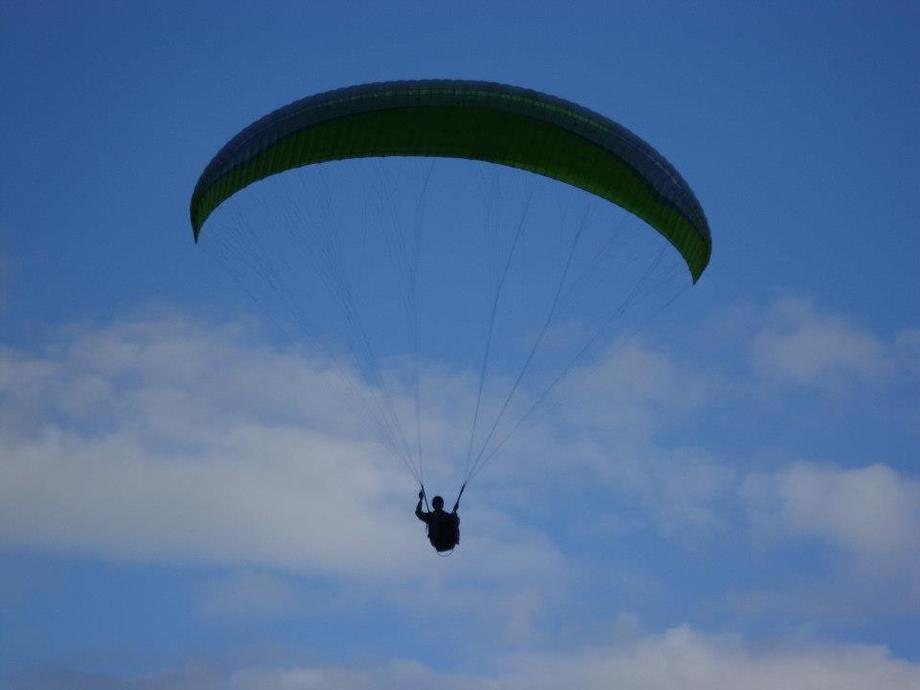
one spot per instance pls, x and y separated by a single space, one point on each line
443 554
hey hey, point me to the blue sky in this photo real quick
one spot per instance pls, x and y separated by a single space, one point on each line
730 493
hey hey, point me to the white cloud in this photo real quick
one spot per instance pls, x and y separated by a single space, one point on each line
396 675
849 537
686 659
871 511
258 497
634 390
167 440
170 441
619 406
797 345
680 658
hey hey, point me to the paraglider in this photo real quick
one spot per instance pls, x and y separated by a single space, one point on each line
488 122
443 527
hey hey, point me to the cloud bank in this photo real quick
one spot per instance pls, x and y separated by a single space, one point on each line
680 658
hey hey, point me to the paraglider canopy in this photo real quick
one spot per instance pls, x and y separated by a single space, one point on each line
516 294
476 120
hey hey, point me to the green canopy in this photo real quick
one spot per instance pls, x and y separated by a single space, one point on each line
483 121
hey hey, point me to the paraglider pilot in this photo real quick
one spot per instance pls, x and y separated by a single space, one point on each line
443 527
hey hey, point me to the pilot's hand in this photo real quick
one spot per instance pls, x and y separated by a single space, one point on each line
421 494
